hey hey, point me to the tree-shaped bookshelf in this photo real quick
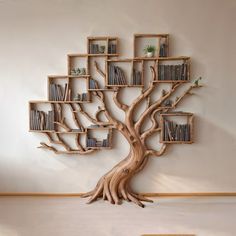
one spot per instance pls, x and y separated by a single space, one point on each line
87 79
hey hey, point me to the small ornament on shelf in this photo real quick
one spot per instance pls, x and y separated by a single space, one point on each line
78 71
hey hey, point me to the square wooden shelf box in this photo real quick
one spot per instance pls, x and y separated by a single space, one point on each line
176 128
124 73
159 41
77 64
102 45
98 143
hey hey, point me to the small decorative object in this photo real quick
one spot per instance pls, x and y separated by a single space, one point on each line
77 97
196 82
78 71
150 50
163 92
167 103
82 71
102 49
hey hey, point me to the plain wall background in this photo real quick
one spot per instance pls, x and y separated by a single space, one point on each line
35 37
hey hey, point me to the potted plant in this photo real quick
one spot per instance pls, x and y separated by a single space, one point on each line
150 50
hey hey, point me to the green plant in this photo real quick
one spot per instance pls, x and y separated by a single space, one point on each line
149 48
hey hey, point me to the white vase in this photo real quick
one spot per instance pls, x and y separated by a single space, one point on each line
149 54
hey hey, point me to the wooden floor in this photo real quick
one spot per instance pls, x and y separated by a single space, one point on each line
43 216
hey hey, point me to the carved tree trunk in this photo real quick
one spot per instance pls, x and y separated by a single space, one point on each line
114 186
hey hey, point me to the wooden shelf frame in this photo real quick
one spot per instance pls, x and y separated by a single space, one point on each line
107 40
130 76
71 57
109 131
69 80
148 36
183 59
189 116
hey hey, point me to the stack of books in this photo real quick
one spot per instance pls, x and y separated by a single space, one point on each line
116 75
136 77
96 49
173 72
111 48
176 132
40 120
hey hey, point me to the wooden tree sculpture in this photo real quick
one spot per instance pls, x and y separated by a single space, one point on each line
114 186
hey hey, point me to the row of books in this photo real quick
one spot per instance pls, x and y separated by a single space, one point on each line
92 142
81 97
111 48
176 132
40 120
163 50
173 72
96 48
116 75
57 93
93 84
137 77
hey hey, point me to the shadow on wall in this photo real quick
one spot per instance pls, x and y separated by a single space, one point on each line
205 166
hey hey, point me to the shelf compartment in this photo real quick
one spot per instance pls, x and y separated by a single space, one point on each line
102 45
173 69
124 73
77 64
99 137
176 128
41 116
62 89
159 41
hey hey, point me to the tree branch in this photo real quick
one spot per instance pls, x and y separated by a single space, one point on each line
157 153
187 92
99 70
145 93
122 106
153 107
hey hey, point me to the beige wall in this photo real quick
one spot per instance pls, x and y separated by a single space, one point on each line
35 38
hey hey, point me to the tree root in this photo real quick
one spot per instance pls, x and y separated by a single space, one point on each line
102 191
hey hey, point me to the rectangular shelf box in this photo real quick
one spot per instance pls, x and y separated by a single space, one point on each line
62 89
102 45
99 137
173 69
124 73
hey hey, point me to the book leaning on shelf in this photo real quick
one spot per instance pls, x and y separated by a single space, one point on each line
116 75
176 132
57 93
